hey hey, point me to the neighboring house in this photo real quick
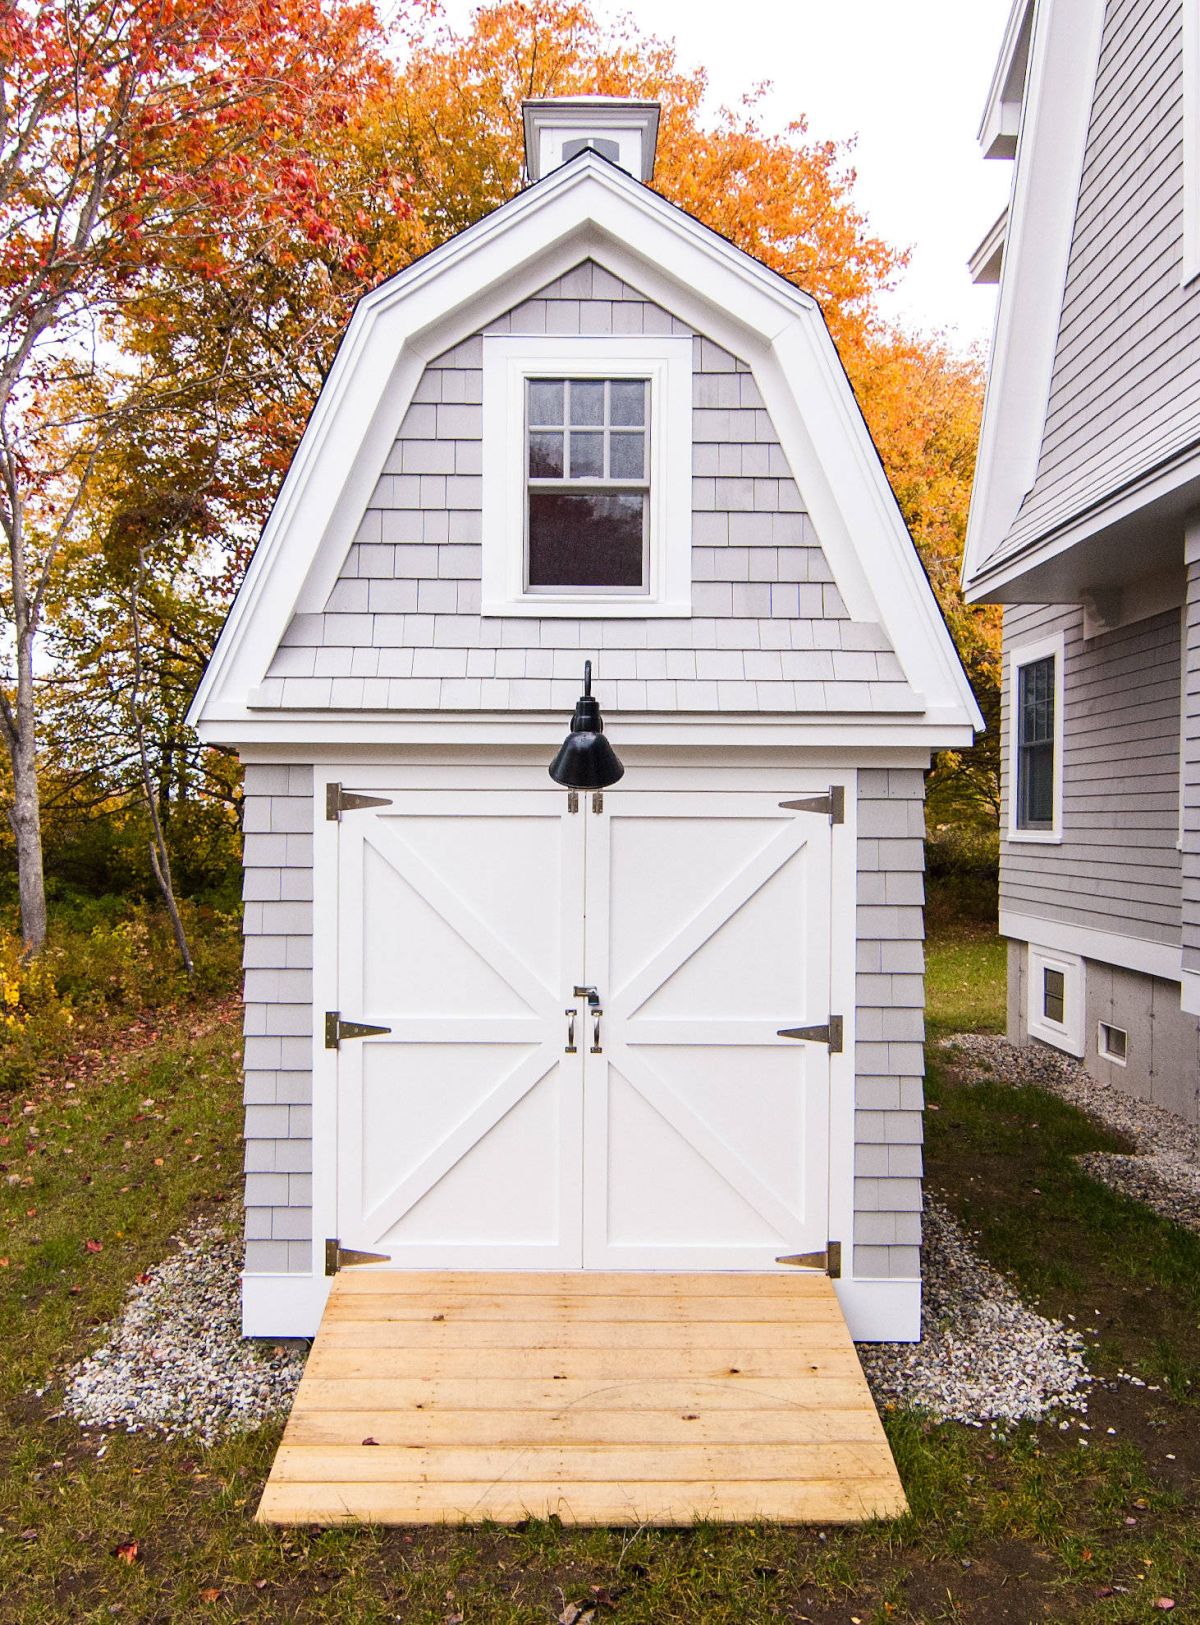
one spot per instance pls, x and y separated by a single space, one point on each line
587 427
1085 524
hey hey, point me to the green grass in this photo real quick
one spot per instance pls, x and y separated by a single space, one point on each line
965 972
1028 1526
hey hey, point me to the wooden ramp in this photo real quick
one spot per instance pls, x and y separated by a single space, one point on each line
607 1399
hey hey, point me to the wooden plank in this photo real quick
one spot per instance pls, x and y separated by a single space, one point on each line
582 1426
713 1364
579 1464
835 1500
768 1309
536 1333
487 1393
585 1284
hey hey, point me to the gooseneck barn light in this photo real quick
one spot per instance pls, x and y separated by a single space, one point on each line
586 761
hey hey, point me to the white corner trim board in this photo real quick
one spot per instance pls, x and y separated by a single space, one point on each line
666 363
1161 959
588 208
1189 992
1064 54
876 1311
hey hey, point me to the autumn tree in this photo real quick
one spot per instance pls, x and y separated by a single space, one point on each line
151 153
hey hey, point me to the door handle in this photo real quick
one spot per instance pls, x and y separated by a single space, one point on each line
570 1048
596 1047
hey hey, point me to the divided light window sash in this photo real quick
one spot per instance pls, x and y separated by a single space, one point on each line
1035 744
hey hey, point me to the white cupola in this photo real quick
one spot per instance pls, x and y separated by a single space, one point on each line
617 127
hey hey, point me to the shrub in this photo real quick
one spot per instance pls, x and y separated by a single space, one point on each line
962 866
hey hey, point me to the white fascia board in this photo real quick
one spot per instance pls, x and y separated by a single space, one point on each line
587 208
999 124
300 731
1064 55
986 263
1161 959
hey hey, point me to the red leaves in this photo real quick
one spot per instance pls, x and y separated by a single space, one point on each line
94 1246
127 1552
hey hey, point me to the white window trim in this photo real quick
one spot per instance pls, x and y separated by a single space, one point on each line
507 363
1191 141
1024 655
1068 1034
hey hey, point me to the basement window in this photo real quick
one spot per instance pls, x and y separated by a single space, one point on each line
1113 1043
1054 1005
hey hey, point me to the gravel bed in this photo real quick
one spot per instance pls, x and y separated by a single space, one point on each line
1164 1173
175 1362
984 1356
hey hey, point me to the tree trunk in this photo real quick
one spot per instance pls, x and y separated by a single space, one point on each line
19 723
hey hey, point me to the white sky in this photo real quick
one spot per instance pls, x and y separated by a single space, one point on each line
908 79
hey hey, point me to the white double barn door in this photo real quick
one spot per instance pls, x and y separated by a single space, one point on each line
505 1121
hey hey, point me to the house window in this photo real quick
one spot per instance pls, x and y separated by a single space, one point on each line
1054 995
1113 1043
587 475
1035 754
587 484
1035 744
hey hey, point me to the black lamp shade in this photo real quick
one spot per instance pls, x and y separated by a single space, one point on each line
586 760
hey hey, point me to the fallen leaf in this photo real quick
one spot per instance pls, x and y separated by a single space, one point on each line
28 1534
144 1279
369 1440
574 1612
210 1594
94 1246
126 1553
1164 1603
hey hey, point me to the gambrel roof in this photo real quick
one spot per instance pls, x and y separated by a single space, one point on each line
587 213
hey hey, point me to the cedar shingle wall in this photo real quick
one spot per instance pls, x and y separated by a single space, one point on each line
890 1022
402 629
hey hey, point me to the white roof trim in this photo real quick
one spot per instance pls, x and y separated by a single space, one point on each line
986 263
587 208
1064 55
1000 124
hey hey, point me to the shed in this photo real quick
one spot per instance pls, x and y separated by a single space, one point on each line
492 1024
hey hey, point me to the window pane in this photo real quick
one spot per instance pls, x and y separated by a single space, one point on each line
545 456
587 401
592 540
1035 744
628 402
546 400
627 456
587 456
1054 992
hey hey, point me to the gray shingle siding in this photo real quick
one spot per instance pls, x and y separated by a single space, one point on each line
1126 385
769 632
277 926
1191 774
1117 868
889 1022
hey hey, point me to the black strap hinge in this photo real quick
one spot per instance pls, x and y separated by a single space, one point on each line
829 1032
336 1029
829 1260
338 801
338 1257
832 805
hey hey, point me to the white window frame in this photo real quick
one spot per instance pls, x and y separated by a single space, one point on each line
1191 141
1066 1034
508 363
1026 654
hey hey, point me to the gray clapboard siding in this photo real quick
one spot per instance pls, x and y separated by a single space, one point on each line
1125 394
890 1022
1117 868
1191 774
402 628
277 926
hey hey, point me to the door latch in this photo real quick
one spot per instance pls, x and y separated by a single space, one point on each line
588 993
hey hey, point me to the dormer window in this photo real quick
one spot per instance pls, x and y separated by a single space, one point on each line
587 475
587 484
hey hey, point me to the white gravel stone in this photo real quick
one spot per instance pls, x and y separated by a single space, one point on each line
984 1356
1165 1172
176 1361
